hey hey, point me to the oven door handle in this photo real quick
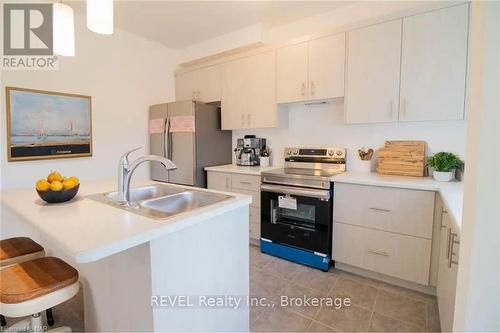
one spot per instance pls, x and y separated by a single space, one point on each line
320 194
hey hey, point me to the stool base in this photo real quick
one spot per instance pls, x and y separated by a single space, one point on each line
34 324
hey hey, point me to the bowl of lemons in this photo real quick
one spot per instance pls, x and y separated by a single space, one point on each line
56 188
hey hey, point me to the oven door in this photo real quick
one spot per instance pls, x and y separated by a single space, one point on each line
297 216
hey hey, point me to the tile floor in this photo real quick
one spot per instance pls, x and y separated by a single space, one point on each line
376 306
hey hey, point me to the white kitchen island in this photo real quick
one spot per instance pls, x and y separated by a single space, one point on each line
139 273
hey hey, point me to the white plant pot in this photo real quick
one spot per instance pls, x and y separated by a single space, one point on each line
365 166
443 176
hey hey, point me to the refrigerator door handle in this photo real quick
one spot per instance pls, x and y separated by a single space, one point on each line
166 128
169 140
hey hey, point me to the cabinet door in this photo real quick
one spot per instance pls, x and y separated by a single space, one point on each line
326 67
209 84
291 73
262 110
447 275
234 94
373 71
186 86
433 65
219 181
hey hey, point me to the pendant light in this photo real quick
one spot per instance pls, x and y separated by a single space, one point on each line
64 30
100 16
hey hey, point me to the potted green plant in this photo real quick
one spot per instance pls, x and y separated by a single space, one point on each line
444 165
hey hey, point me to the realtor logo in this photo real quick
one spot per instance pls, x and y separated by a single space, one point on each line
28 37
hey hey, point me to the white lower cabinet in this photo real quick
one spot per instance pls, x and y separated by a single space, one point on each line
241 184
448 269
384 230
219 181
400 256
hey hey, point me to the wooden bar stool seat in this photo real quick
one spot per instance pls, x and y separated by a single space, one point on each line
19 249
30 287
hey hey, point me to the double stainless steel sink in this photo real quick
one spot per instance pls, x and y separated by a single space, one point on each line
161 201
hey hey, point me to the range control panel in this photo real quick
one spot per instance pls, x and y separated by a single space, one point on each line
315 152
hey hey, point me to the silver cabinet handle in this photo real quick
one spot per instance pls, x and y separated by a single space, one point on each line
444 211
380 253
452 243
242 120
303 90
313 88
245 183
228 182
448 245
391 107
380 209
249 119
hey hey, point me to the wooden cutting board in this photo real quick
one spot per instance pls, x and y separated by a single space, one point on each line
404 158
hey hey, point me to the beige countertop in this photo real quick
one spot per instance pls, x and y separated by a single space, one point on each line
451 192
247 170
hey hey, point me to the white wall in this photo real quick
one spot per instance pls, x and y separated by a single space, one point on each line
478 289
323 125
124 74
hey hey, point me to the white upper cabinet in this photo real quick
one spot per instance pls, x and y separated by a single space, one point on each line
203 84
311 71
291 73
234 94
327 67
433 66
186 86
262 110
249 92
373 73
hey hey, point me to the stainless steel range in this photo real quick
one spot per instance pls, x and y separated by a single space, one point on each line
297 206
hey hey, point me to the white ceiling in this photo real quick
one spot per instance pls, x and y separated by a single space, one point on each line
178 24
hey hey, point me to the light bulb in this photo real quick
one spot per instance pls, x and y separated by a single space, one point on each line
64 30
100 16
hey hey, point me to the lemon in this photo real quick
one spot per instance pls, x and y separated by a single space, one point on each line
42 185
54 176
75 180
68 183
56 186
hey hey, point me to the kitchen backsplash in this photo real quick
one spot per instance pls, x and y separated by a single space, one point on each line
323 125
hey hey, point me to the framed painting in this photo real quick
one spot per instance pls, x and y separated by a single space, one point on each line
46 124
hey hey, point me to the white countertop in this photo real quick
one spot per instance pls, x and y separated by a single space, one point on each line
247 170
451 192
88 230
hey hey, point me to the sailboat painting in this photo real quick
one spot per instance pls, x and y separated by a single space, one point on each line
43 124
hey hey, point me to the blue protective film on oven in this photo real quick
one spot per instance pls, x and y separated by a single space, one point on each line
296 255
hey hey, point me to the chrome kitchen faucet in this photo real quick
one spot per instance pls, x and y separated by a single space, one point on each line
126 169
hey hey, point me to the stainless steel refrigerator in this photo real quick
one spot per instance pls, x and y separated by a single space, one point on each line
188 133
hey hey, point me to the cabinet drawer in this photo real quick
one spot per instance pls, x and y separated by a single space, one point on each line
400 256
218 181
245 182
409 212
